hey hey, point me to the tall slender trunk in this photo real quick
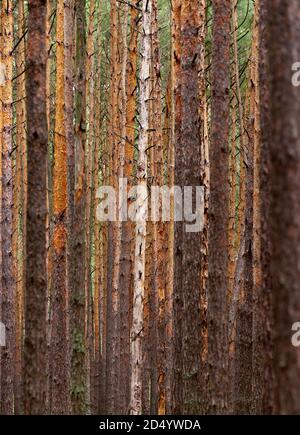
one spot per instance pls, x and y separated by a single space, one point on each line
34 374
175 229
188 159
169 243
234 252
90 145
19 201
97 278
8 282
78 302
243 365
242 131
126 261
218 213
149 343
158 227
123 331
148 348
254 137
59 335
104 287
203 112
261 272
50 104
141 207
112 284
233 168
119 157
285 204
263 382
69 21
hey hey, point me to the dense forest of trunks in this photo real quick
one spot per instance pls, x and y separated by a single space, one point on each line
145 315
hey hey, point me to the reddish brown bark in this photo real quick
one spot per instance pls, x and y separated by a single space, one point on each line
169 241
34 374
218 212
175 230
263 388
19 202
285 204
112 352
187 249
126 260
8 281
69 43
59 296
95 359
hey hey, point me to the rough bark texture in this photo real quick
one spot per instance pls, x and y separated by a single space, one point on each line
255 136
159 257
69 21
112 287
8 281
243 351
204 168
96 369
34 363
141 207
189 161
169 242
19 201
263 387
175 228
145 317
285 204
218 212
89 193
59 294
78 363
126 261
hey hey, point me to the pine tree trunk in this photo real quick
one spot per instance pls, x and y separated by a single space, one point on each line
263 385
141 206
123 325
188 159
8 282
259 245
205 183
19 202
59 342
112 352
126 261
218 213
243 351
284 51
69 22
34 374
169 243
78 302
159 227
90 146
254 137
175 229
97 336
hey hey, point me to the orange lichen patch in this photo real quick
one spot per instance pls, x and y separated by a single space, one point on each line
60 152
59 237
162 397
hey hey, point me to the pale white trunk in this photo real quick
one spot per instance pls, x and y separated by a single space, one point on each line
141 204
